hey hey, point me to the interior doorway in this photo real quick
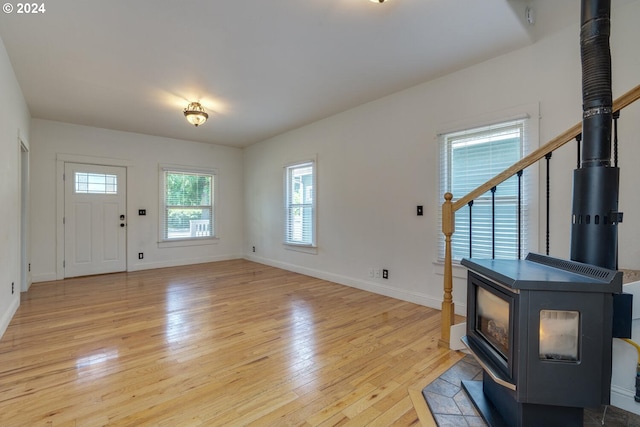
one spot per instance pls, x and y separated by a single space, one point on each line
25 264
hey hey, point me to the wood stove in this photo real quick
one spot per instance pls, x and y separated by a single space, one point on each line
541 328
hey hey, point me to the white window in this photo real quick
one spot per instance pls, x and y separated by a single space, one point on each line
95 183
187 197
472 157
300 204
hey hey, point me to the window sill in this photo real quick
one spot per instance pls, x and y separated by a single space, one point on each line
188 242
307 249
457 269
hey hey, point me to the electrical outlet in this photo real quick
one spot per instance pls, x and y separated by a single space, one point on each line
254 249
371 273
419 210
385 274
140 255
142 211
12 288
377 273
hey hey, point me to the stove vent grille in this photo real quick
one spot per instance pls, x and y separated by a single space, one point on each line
573 266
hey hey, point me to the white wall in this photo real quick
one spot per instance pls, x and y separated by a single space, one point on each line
625 359
378 161
14 125
53 141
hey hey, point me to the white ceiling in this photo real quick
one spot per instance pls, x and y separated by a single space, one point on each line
259 67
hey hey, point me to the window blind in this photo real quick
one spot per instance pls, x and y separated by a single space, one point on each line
188 205
300 204
470 158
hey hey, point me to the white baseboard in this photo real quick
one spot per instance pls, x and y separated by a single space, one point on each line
377 288
43 277
180 262
404 295
624 399
47 277
8 315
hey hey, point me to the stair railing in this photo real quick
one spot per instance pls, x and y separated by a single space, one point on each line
449 207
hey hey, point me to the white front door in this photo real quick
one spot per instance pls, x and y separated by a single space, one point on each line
95 229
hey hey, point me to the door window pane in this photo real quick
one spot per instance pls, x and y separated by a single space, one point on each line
95 183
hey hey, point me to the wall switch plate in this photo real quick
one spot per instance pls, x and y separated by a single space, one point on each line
140 255
377 273
142 211
385 274
419 210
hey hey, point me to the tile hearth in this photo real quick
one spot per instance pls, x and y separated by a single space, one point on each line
451 407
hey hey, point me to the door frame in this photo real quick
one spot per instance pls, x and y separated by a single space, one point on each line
61 159
25 229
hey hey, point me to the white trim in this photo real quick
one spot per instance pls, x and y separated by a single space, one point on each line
24 178
8 315
624 399
392 292
44 277
458 270
530 111
92 160
305 248
180 262
304 159
199 241
518 112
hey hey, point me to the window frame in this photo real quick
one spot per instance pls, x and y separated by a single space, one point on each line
305 246
529 114
88 185
163 241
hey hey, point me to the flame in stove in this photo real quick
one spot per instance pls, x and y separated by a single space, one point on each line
543 333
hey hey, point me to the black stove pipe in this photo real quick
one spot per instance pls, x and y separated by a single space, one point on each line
597 100
594 232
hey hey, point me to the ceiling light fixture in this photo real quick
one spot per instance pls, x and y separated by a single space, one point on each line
195 114
377 1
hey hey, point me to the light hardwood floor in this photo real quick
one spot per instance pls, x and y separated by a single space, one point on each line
221 344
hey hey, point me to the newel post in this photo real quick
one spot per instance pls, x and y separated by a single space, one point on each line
448 309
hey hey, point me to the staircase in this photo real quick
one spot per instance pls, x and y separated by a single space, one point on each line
450 206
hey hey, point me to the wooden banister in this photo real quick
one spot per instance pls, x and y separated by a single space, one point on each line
449 208
448 307
620 103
